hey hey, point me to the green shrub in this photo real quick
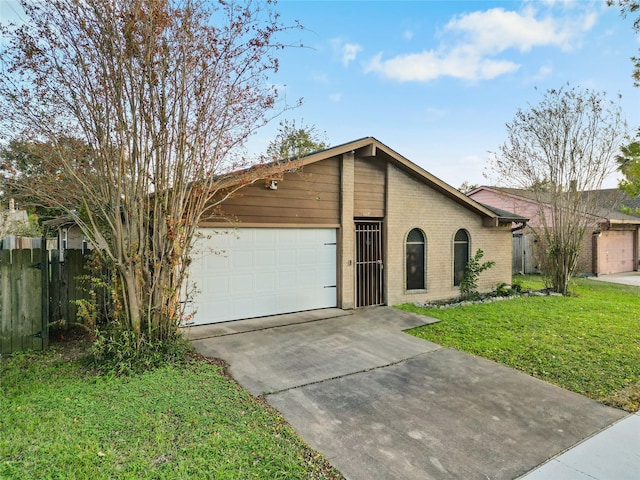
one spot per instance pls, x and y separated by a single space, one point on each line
516 286
117 349
469 282
122 352
503 290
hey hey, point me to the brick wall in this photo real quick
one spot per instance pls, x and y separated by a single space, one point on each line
411 204
585 257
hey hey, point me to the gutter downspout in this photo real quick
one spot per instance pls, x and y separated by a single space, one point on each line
519 227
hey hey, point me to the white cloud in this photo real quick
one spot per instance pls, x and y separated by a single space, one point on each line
543 73
430 65
349 52
496 30
407 34
554 3
477 39
335 97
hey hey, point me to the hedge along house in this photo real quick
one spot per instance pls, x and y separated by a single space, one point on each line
355 225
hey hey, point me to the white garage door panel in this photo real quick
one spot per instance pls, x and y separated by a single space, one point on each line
254 272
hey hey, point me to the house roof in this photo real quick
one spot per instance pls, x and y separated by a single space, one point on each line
363 148
503 214
62 221
369 147
609 201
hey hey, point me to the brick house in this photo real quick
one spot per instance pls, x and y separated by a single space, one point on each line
356 225
609 246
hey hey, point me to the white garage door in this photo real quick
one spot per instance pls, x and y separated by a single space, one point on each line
255 272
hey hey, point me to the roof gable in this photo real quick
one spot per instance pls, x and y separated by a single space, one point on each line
369 147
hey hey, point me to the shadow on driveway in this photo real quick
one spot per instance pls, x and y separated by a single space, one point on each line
381 404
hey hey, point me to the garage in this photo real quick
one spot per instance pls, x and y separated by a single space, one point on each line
255 272
615 251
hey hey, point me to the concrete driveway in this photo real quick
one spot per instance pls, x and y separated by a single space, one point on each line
381 404
627 278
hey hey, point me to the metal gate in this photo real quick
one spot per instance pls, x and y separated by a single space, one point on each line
369 264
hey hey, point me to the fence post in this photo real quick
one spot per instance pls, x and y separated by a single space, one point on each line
5 302
44 265
54 287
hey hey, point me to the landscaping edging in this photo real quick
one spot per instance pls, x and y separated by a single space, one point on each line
457 302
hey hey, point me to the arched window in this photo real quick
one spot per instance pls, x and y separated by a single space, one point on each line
416 260
460 255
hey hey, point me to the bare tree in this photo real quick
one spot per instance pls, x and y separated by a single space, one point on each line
567 143
466 187
163 95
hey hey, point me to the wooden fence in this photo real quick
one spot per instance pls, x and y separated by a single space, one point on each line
35 291
65 285
23 309
525 255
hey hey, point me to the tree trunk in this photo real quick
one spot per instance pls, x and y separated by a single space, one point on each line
134 299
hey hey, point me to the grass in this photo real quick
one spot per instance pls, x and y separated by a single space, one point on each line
61 421
588 342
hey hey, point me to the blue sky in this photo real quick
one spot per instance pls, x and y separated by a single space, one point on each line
437 80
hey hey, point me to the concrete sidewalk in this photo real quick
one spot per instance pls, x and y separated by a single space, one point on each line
613 454
381 404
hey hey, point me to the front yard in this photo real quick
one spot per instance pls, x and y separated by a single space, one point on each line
588 343
60 421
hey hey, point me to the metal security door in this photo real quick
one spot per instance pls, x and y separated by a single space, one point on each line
369 264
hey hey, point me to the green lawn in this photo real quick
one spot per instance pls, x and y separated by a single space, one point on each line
588 342
60 421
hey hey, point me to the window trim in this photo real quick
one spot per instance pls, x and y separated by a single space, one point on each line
458 242
424 244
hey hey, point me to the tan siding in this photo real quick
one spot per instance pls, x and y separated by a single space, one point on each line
411 204
346 242
369 188
309 196
74 237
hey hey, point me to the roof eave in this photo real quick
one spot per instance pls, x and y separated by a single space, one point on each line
368 145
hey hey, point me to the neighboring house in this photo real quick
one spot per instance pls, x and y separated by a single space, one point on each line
610 246
68 235
13 225
12 220
357 225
